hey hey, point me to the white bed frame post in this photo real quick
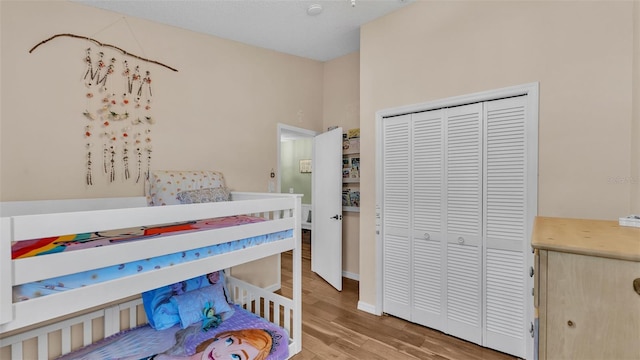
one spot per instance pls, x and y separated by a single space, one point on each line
297 279
6 297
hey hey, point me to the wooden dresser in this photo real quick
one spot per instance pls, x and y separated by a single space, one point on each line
587 305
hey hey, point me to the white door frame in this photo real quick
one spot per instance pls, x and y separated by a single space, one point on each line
532 92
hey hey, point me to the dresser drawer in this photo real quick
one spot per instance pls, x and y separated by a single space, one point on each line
592 309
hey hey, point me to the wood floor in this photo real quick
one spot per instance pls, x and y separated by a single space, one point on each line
333 327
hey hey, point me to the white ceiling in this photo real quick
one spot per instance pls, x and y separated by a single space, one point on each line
280 25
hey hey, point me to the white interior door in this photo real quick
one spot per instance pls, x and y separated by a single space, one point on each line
326 183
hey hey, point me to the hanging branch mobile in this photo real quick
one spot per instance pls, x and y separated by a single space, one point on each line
99 75
124 52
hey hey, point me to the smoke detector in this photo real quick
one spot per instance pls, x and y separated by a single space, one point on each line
314 9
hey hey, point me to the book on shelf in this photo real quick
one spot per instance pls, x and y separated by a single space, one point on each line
355 198
351 141
350 198
350 167
346 201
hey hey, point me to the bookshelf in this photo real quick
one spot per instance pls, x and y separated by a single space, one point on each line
351 171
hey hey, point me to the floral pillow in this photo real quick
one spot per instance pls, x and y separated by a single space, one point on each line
204 195
162 186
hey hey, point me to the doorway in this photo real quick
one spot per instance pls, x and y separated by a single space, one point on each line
315 162
295 150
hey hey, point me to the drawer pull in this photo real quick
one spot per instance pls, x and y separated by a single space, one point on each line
570 323
427 236
636 285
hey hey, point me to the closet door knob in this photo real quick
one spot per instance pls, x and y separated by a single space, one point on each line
460 240
636 285
427 236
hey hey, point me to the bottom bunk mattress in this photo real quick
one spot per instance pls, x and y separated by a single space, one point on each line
42 247
243 335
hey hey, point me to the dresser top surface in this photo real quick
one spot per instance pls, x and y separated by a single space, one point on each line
602 238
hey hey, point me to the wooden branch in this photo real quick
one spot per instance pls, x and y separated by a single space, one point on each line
102 44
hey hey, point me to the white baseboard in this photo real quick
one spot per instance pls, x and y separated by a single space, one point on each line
371 309
350 275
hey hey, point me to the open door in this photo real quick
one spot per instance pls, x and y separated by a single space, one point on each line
326 182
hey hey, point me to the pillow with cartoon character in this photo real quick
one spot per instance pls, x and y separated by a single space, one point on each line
205 305
163 313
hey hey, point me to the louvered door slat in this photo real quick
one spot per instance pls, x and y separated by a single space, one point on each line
396 234
505 224
463 172
427 184
463 292
463 189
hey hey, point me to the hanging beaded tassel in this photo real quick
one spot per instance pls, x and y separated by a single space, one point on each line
96 75
125 161
134 79
112 173
87 135
105 158
148 161
109 71
89 175
147 80
87 60
139 155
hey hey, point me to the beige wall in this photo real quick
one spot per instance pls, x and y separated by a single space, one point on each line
219 111
581 53
341 107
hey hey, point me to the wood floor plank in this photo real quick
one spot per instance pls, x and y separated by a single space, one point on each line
357 352
320 349
333 327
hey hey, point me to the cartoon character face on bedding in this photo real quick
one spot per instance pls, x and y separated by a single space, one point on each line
246 344
249 344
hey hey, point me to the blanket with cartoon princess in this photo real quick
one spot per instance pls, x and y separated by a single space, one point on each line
181 327
242 336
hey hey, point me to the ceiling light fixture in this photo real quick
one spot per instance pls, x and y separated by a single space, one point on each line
353 3
314 9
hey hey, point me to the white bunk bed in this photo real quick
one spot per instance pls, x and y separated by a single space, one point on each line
39 318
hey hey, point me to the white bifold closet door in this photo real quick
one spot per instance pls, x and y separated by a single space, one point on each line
397 245
505 232
463 189
454 221
428 200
